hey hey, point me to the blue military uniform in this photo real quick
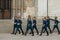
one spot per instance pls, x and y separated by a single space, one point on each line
44 27
35 26
56 25
48 25
29 26
15 25
19 26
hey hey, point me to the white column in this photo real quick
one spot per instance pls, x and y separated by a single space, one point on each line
16 3
36 8
22 3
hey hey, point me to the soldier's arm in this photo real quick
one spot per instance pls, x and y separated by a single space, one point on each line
58 21
21 21
36 22
52 19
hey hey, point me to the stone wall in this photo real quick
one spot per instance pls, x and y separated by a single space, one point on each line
6 26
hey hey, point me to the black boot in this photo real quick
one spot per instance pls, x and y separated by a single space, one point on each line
25 34
47 34
58 32
32 34
19 32
12 33
37 33
22 33
41 34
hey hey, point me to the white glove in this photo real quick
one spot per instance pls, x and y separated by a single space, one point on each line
44 25
55 23
14 23
28 24
32 24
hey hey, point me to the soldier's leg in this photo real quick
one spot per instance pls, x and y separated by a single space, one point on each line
42 31
26 30
16 30
19 31
36 30
22 30
32 31
58 30
53 28
46 31
13 30
49 29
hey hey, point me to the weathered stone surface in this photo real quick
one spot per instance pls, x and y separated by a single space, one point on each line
7 36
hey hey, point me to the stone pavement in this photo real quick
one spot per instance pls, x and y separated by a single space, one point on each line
8 36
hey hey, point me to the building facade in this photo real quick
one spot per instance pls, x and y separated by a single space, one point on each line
23 8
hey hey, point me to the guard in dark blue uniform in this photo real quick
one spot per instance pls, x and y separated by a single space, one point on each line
15 24
29 26
44 26
48 24
19 25
56 22
35 25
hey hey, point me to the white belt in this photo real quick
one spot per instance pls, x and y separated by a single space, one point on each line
18 23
